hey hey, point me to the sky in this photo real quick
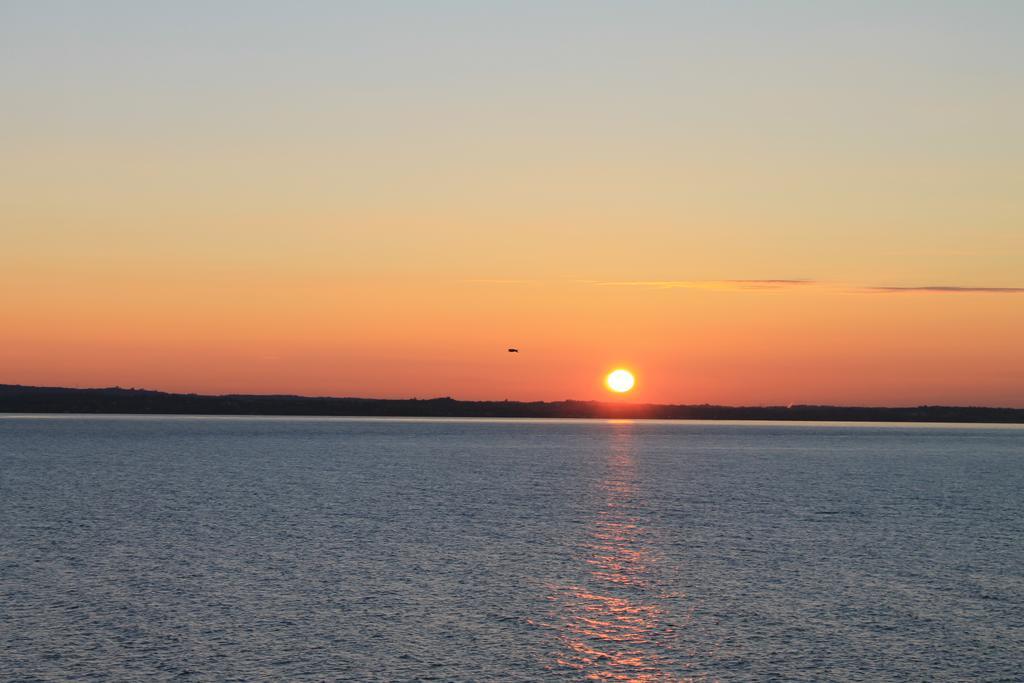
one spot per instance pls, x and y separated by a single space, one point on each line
742 202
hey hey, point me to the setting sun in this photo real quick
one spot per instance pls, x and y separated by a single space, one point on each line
620 381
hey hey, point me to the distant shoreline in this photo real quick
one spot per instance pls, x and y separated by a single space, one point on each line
114 401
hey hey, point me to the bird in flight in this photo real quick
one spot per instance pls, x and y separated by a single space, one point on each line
513 350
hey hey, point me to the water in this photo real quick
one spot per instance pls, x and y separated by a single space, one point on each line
335 549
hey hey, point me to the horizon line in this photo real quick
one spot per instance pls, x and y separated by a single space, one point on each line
609 402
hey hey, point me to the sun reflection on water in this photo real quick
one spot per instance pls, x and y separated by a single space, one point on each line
613 625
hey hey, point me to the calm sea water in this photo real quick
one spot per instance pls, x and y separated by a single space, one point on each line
337 549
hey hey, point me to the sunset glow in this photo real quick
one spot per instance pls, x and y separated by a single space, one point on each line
339 202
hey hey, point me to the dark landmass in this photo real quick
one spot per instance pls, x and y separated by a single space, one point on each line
23 399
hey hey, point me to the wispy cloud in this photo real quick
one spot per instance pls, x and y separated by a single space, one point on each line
943 289
751 285
807 284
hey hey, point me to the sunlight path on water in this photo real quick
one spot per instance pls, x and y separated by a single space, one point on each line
613 625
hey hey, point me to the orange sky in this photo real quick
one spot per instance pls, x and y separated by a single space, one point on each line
358 202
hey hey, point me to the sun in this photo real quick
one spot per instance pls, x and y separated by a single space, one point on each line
620 381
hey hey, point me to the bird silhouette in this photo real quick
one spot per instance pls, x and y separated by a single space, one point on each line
513 350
